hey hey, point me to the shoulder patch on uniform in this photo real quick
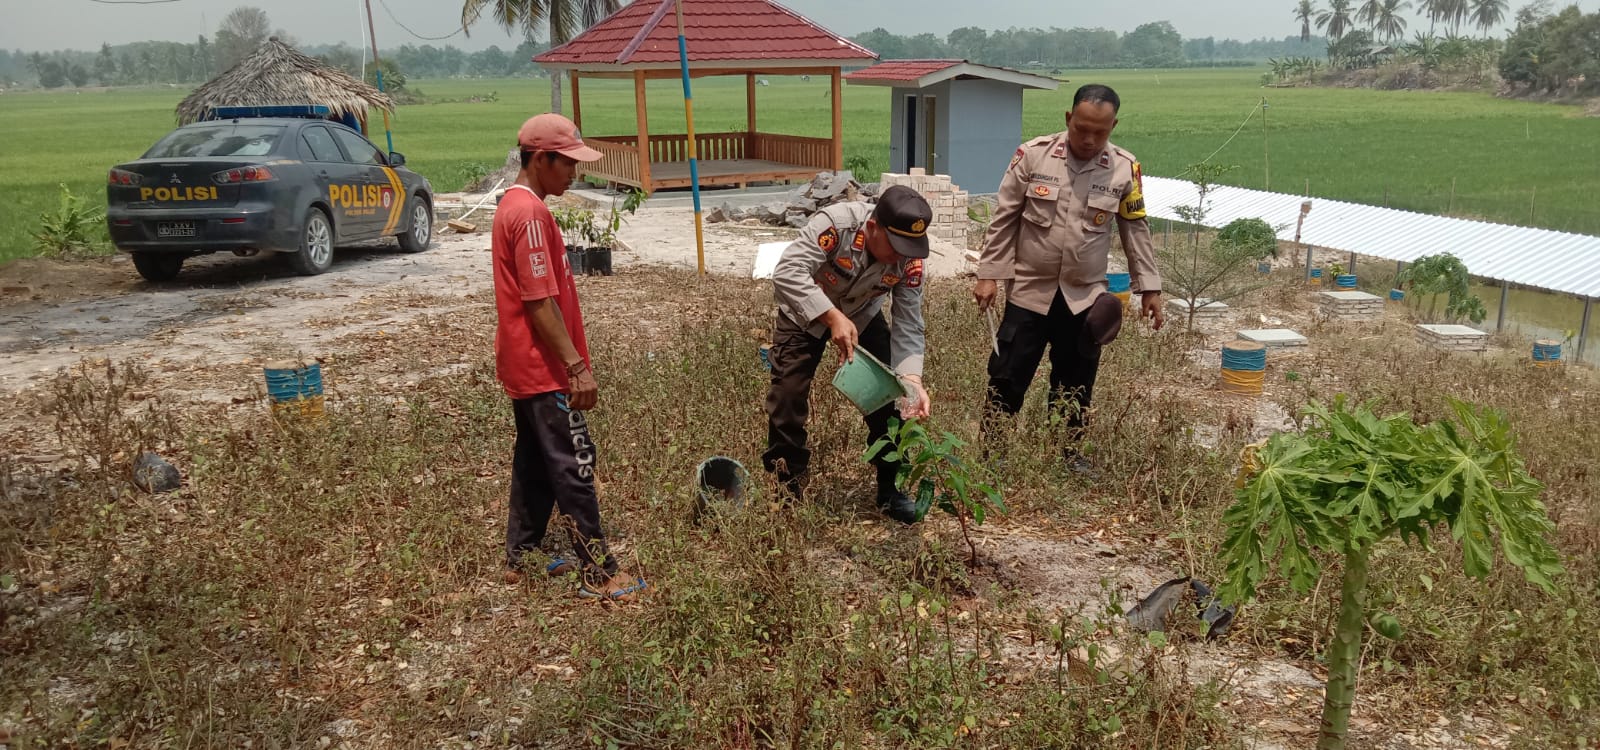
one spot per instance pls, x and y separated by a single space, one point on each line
913 271
828 240
1132 207
1016 158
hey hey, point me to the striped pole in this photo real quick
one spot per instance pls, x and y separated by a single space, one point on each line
694 163
372 35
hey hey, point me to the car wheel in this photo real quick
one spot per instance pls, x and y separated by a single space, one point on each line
420 235
158 267
316 245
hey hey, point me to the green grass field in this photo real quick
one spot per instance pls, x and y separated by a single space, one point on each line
1508 161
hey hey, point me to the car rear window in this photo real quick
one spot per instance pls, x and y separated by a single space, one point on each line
222 139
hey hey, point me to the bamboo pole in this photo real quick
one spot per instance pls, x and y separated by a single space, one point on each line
372 35
694 163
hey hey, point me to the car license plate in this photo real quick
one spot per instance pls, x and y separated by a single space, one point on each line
175 229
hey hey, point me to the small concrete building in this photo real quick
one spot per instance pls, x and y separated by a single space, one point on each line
952 117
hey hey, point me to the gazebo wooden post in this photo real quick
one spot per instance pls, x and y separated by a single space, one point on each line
750 115
838 122
577 102
644 131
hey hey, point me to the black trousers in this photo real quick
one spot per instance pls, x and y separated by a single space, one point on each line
1074 362
552 467
795 355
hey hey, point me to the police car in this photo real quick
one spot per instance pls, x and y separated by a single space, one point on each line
286 180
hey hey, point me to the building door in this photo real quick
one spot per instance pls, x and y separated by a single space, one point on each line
912 154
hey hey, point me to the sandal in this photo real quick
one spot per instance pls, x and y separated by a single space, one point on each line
620 588
560 566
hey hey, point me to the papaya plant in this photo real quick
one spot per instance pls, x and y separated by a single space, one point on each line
1445 274
941 478
1352 481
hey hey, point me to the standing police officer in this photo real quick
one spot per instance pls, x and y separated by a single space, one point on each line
830 284
1050 242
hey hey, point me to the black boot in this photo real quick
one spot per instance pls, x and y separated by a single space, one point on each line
1079 464
894 503
791 488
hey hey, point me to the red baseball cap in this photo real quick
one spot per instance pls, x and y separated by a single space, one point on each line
552 132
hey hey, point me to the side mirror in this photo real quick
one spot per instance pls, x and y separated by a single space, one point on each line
397 159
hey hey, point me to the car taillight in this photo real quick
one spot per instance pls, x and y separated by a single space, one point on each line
243 174
121 177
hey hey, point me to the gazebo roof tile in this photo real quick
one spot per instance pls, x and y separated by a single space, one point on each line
904 70
716 31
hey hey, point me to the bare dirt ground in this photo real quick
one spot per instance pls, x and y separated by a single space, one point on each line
205 337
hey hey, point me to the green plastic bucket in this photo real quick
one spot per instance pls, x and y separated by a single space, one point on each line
868 383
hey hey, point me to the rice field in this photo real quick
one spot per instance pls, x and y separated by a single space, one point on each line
1463 154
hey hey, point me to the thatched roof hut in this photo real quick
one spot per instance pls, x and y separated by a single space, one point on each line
279 74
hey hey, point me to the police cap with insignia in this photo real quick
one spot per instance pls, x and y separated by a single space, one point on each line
905 215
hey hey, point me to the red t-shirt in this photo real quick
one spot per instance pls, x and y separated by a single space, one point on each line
530 263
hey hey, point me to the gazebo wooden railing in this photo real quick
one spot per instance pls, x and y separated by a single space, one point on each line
726 158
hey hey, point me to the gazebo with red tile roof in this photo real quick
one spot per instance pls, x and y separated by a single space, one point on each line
724 38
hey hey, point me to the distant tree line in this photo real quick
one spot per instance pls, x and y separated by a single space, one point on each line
1554 53
240 33
1152 45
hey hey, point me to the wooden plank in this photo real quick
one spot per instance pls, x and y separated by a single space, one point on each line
750 102
838 123
619 163
643 110
577 103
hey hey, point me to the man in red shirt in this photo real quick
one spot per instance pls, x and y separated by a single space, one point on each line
542 360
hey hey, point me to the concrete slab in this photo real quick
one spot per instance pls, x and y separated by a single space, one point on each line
1351 296
1453 337
1202 306
1274 338
1452 330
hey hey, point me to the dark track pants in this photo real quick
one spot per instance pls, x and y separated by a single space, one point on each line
552 467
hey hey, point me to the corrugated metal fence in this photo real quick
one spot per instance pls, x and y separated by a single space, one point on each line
1525 256
1542 259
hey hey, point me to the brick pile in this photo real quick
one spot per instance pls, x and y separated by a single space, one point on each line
949 203
1350 306
1453 338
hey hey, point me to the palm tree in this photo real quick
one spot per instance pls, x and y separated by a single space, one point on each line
1304 13
1438 11
1487 14
1387 23
565 19
1336 19
1454 13
1368 14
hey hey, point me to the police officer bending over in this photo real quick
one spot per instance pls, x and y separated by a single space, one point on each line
1050 242
830 284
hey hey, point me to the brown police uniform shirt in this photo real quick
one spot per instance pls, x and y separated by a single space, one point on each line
1051 229
829 266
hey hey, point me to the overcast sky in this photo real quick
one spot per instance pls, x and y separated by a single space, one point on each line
84 24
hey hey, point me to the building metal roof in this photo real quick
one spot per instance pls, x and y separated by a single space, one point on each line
727 33
1526 256
924 73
